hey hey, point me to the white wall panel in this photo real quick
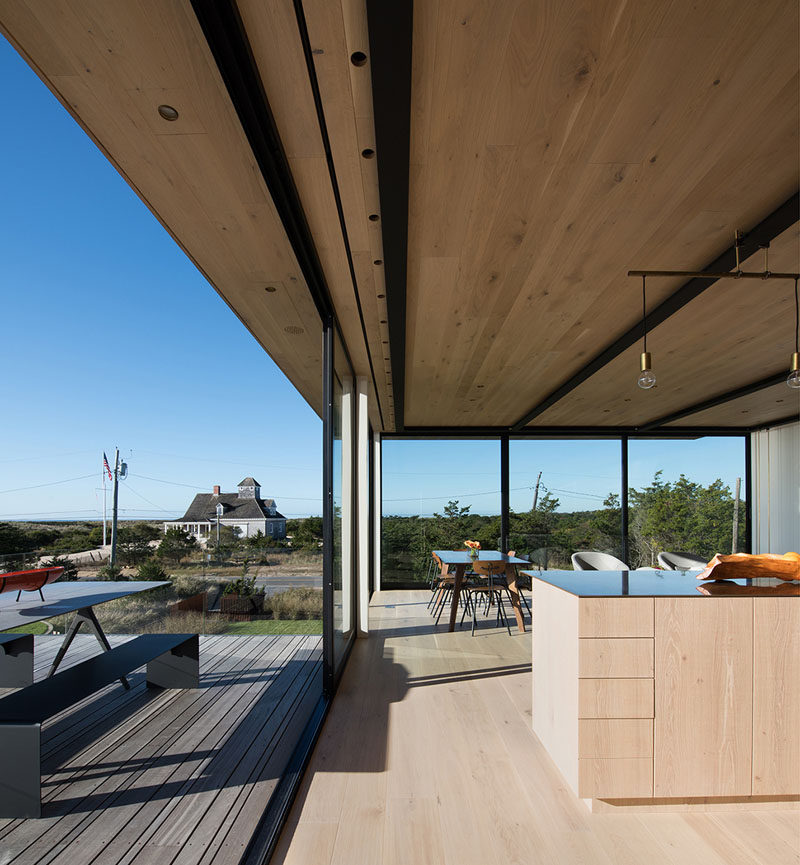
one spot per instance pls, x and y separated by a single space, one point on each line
776 489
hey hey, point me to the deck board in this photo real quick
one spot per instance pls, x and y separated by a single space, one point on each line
158 776
446 768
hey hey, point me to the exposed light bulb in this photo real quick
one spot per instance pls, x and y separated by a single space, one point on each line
647 377
793 381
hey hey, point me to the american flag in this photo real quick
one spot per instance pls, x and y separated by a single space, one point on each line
107 467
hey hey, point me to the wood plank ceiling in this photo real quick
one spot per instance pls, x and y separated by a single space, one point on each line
553 146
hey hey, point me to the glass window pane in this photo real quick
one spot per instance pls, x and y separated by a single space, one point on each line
343 466
436 494
564 496
682 497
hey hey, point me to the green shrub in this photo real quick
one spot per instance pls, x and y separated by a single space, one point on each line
151 570
295 604
242 587
110 572
70 568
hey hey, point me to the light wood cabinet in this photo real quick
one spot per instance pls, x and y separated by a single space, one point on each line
615 617
674 698
615 698
776 696
703 697
612 738
620 658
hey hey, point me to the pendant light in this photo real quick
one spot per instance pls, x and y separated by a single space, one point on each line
647 377
794 370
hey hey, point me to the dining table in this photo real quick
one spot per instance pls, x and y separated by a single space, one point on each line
462 559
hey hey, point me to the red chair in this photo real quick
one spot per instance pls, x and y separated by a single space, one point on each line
29 581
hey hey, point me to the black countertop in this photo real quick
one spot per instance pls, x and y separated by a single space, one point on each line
664 584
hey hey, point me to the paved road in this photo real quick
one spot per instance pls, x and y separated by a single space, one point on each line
271 585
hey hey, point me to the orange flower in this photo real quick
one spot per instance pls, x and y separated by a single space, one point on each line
473 545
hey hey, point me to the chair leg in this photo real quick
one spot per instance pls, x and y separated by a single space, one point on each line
501 613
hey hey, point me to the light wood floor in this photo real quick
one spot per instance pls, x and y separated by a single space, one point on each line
165 777
428 756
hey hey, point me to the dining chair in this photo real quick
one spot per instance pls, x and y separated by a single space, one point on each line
490 590
682 561
522 582
589 560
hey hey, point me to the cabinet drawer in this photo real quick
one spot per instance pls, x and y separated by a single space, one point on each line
615 737
615 617
615 698
615 779
624 658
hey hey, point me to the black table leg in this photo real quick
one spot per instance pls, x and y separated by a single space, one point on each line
85 615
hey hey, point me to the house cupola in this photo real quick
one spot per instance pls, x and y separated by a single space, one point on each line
249 488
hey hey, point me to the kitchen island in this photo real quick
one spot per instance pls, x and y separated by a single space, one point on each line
649 692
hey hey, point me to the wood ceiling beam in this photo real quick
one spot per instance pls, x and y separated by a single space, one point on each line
570 432
326 142
226 37
777 222
390 39
746 390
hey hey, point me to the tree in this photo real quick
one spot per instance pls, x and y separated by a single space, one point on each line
133 543
177 544
308 533
70 568
682 516
151 570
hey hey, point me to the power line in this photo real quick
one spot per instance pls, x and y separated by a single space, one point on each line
50 484
246 463
144 498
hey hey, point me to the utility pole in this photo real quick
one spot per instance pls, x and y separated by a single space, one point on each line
536 492
114 511
735 540
104 505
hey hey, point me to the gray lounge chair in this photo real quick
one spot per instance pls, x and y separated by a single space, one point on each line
682 561
589 560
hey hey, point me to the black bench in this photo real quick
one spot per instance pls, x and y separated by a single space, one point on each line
16 660
172 662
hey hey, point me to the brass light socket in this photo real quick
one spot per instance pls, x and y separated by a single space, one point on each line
795 362
646 361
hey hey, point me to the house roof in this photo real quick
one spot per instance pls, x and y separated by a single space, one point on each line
466 193
249 482
204 508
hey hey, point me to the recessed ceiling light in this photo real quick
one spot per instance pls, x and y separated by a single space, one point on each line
358 58
367 153
168 112
378 261
270 288
373 217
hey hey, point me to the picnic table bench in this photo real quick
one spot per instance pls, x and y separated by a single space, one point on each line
172 662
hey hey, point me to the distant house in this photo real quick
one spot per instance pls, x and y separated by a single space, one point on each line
245 510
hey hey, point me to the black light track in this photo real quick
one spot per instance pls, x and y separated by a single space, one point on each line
390 24
721 399
777 222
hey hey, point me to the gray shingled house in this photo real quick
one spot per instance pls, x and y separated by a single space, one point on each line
245 510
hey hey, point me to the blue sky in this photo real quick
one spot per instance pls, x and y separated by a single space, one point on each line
112 337
420 477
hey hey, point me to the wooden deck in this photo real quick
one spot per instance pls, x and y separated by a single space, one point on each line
428 756
164 777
